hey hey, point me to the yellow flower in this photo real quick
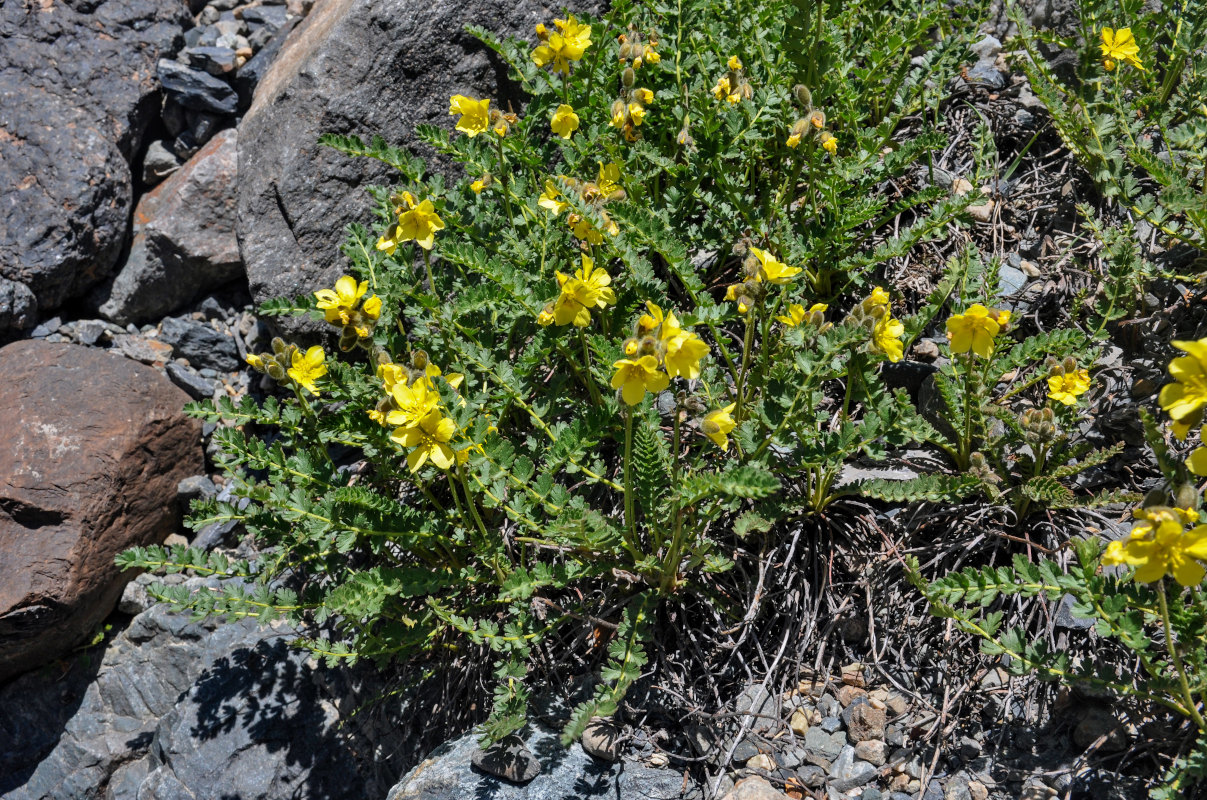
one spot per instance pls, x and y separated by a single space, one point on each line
430 439
587 289
340 303
254 361
372 307
475 114
1160 545
829 143
878 297
565 121
582 228
651 55
635 377
1185 398
420 223
734 62
411 403
773 271
637 114
973 330
478 185
886 338
308 367
795 316
683 353
568 44
1067 387
643 96
793 140
1197 462
545 318
721 90
609 178
550 200
718 424
391 375
1119 45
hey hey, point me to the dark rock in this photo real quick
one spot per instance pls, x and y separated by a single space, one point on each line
198 387
1098 722
262 16
18 305
1065 618
986 48
848 772
208 16
509 759
78 90
217 61
158 163
90 471
831 724
216 534
385 67
203 126
199 344
195 89
601 738
184 243
225 710
818 742
569 773
251 73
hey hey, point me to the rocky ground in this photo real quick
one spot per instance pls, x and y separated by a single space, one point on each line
178 183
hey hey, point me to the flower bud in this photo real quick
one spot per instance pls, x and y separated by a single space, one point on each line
348 338
628 77
817 118
275 371
630 346
745 91
803 95
419 359
1070 364
626 51
1186 496
542 33
751 265
278 345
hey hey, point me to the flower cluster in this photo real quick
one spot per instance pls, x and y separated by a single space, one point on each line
412 408
347 308
1163 542
875 313
586 289
628 112
1066 382
417 222
560 47
760 268
638 51
596 194
975 330
658 350
732 87
813 123
477 116
1119 45
288 364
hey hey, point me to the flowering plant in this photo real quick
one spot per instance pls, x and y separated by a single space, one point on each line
643 330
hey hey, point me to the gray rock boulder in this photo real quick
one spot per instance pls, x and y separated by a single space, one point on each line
78 87
184 239
89 466
176 709
449 774
385 66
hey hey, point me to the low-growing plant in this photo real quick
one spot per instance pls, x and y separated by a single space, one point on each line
645 326
1155 612
1132 111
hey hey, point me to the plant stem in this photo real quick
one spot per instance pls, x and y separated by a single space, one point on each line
629 518
427 265
588 377
746 344
503 179
1187 697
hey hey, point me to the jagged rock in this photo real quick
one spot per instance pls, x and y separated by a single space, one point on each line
184 243
386 65
88 468
176 709
217 61
199 344
509 759
77 85
601 738
18 306
195 89
448 774
250 74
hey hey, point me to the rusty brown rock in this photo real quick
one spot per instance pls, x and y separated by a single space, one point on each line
91 452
